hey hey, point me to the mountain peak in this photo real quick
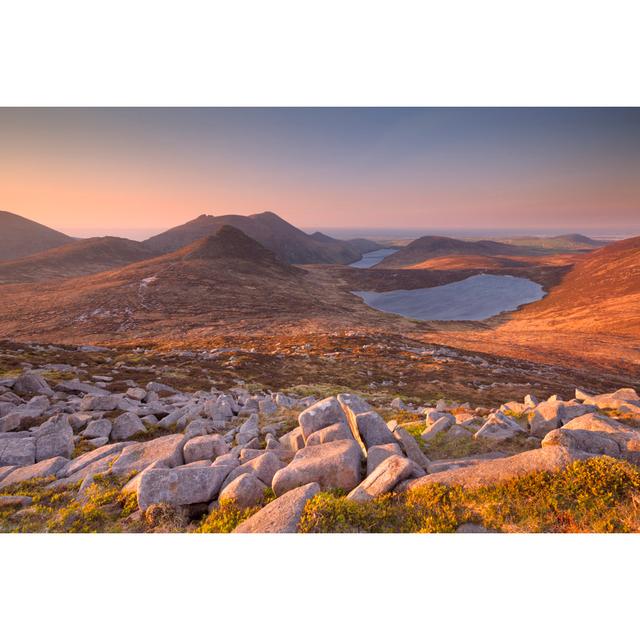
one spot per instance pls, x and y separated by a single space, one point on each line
230 243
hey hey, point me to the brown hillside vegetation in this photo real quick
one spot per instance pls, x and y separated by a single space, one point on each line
592 315
75 259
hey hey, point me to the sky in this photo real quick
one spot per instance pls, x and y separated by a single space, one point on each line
137 171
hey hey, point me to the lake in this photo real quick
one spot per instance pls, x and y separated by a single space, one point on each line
475 298
371 258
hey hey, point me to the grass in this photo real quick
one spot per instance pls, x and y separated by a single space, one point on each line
599 495
101 509
228 515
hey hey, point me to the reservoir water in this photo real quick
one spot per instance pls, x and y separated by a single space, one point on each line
371 258
475 298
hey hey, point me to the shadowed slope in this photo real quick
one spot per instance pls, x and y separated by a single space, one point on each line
22 237
289 243
74 259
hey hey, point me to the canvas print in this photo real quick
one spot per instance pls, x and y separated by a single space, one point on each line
319 320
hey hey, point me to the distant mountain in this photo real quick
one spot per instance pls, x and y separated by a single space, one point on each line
567 242
73 259
363 245
22 237
429 247
289 243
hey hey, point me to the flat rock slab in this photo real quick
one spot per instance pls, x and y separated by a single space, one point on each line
79 463
17 451
283 514
495 471
41 469
384 478
137 457
334 465
180 486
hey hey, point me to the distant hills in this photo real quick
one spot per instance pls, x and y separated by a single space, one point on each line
567 242
440 252
429 247
289 243
22 237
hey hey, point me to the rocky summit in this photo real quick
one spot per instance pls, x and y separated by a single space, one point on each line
99 443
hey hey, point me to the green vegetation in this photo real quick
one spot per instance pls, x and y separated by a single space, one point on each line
100 508
228 515
597 495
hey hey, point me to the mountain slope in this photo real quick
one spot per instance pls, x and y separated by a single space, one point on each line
592 315
429 247
22 237
216 285
566 242
74 259
289 243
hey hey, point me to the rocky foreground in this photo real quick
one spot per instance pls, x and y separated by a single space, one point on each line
77 456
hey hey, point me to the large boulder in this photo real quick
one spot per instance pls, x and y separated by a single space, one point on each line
54 438
283 514
126 425
499 427
371 429
384 478
623 400
179 486
380 452
338 431
99 402
264 466
98 429
353 403
137 457
293 440
592 442
322 414
245 491
551 414
32 384
494 471
17 451
334 465
599 434
205 448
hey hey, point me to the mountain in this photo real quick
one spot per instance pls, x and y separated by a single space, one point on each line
289 243
74 259
22 237
592 315
429 247
568 242
216 285
364 245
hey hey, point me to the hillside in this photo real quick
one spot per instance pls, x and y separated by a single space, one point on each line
566 242
289 243
429 247
592 315
22 237
74 259
217 285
